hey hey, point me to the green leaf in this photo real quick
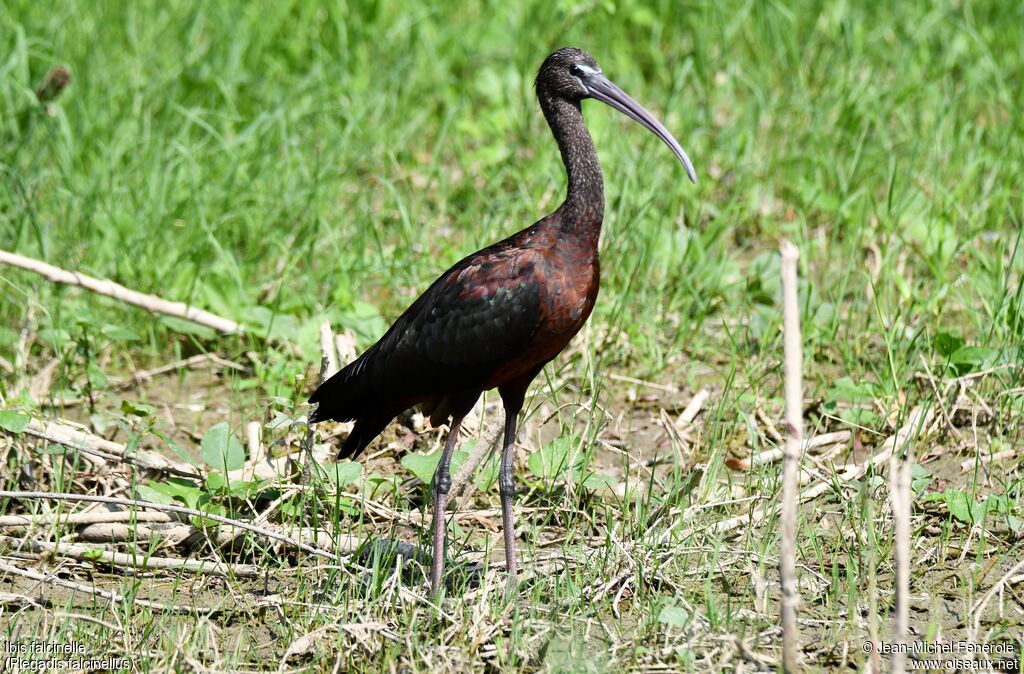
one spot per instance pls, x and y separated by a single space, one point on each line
920 478
343 472
363 319
844 389
118 334
208 507
958 506
147 493
137 409
971 358
551 460
13 422
487 475
599 481
243 488
962 507
215 482
221 449
997 503
947 344
676 616
97 377
171 490
859 417
424 465
376 486
55 336
188 328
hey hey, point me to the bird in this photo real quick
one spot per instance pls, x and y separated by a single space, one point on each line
496 317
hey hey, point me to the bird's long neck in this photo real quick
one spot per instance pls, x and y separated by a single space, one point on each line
583 209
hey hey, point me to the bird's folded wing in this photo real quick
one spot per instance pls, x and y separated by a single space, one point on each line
471 321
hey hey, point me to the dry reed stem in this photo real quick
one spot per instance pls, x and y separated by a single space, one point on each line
793 371
329 350
899 490
252 441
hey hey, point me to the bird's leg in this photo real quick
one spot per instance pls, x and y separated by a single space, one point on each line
507 489
442 484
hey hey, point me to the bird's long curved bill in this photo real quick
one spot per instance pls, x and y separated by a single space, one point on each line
604 90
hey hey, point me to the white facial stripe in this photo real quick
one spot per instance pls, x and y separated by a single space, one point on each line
588 70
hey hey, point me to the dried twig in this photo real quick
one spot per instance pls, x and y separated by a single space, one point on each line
170 534
139 560
986 459
827 440
694 407
793 367
485 442
196 362
119 292
979 606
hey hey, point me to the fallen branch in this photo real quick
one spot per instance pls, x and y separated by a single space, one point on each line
163 507
79 519
918 421
113 597
170 534
986 459
82 553
67 435
119 292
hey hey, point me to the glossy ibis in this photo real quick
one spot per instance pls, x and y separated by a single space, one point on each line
495 318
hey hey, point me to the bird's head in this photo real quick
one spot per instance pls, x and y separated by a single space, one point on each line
572 74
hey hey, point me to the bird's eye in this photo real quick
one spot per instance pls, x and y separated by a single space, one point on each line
576 70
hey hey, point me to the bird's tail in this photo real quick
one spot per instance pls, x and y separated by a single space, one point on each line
347 397
366 429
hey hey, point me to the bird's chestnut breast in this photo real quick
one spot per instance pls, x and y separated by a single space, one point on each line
569 294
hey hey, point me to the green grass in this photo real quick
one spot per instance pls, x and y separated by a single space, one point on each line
281 163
